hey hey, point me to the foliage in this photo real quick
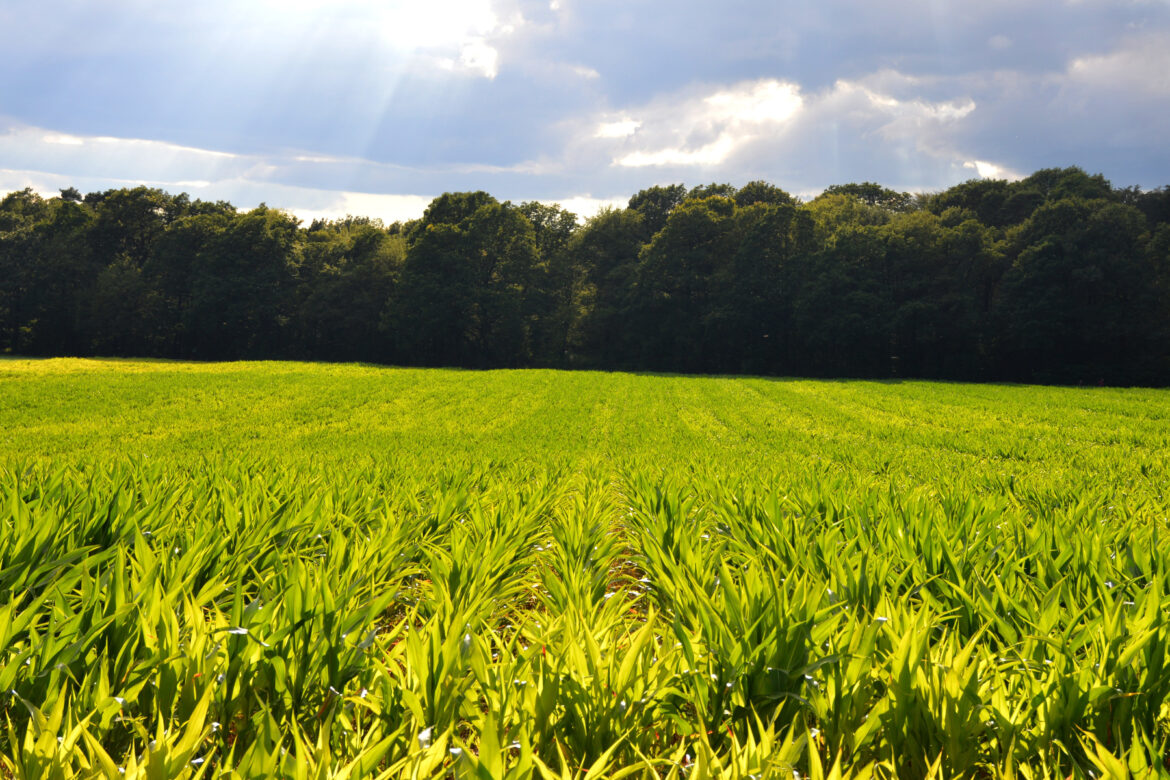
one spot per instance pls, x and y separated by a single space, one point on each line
322 571
1058 277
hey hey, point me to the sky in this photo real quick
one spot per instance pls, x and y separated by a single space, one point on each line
373 107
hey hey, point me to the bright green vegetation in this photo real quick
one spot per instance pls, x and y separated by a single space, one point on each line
326 571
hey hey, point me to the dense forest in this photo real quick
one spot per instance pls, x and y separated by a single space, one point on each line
1059 277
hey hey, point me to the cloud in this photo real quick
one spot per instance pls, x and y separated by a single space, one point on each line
114 158
620 128
535 99
987 170
309 186
1105 111
1141 66
476 56
309 205
879 127
61 138
51 161
305 203
705 129
586 206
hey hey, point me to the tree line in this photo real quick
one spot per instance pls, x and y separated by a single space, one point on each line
1059 277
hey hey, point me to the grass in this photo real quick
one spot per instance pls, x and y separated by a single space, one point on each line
331 571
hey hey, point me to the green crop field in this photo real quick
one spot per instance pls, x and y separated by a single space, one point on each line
343 571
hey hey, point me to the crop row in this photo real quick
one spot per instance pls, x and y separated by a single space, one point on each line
243 621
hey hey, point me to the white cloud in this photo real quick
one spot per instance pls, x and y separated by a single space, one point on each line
618 129
117 159
988 170
460 36
32 148
610 96
306 203
709 154
401 24
586 206
313 204
475 57
65 140
530 167
50 161
763 101
772 128
704 130
45 184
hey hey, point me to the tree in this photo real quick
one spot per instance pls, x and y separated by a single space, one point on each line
125 313
552 226
508 273
128 223
464 297
841 313
876 195
832 211
1073 182
1080 299
559 301
984 199
934 278
429 318
1057 277
762 192
21 210
349 274
450 208
1155 203
655 204
242 292
606 252
750 315
171 274
46 271
712 190
673 287
122 311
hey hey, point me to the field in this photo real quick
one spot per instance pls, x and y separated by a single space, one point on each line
343 571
